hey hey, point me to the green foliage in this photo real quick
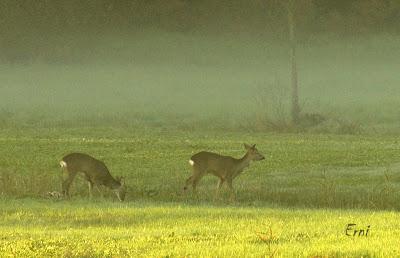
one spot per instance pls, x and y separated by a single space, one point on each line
312 15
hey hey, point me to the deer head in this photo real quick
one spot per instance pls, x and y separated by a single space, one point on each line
253 153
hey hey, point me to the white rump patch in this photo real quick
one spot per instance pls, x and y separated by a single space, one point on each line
63 164
191 162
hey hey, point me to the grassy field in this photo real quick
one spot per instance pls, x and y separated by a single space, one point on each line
297 202
153 229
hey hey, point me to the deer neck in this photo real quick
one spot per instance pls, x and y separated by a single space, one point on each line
244 162
113 184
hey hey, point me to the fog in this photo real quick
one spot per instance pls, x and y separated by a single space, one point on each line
199 77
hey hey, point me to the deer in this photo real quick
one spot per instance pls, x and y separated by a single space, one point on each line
95 172
226 168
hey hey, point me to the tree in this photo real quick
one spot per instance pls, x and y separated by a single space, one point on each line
295 110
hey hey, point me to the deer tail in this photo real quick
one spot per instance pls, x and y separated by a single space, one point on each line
63 164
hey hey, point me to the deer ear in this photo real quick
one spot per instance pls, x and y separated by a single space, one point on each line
254 146
122 180
246 146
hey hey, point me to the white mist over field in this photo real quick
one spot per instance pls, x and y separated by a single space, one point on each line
160 78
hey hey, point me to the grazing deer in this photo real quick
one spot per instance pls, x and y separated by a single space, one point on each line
225 167
95 172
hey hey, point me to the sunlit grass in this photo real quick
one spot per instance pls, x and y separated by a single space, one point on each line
79 228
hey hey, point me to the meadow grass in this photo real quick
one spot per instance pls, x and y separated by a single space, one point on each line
35 228
297 202
349 171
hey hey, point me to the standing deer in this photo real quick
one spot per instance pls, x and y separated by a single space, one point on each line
95 172
225 167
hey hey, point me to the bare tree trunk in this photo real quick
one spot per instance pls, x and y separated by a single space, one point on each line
295 111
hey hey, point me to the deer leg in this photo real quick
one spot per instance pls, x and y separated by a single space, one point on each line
198 173
67 181
93 183
90 184
196 180
188 182
220 183
118 196
98 190
233 195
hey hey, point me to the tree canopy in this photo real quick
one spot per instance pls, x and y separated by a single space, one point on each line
266 16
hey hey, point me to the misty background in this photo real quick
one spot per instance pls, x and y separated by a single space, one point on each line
199 64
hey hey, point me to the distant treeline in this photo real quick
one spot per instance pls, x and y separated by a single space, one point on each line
342 16
22 20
